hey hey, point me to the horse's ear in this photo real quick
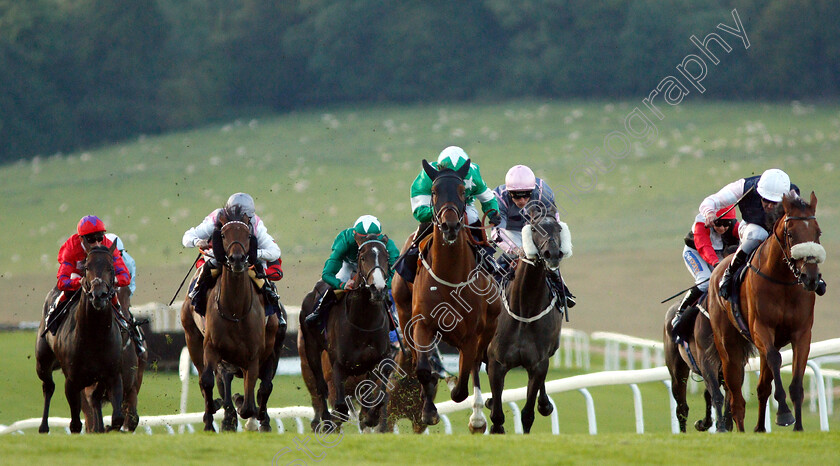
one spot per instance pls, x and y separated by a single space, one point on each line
786 202
430 170
813 202
464 170
113 246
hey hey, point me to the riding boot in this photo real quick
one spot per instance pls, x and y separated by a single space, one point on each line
137 336
436 361
406 264
198 293
272 300
690 297
738 259
561 289
485 259
51 319
314 319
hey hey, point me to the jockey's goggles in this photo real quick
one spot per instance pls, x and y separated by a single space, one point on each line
95 237
520 194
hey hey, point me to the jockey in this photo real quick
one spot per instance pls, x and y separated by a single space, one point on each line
452 157
343 263
268 255
703 250
760 194
90 232
132 270
522 188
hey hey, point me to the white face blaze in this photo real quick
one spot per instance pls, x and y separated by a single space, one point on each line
378 276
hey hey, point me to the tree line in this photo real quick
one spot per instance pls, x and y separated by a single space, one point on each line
75 73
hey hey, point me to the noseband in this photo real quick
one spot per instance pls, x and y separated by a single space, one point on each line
365 279
788 259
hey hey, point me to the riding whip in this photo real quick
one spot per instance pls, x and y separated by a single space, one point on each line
733 205
683 291
185 279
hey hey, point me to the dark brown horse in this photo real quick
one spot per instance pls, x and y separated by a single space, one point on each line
451 299
705 360
356 342
133 366
86 347
234 337
777 302
528 333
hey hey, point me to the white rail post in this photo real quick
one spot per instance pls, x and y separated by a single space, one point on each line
517 418
637 405
590 411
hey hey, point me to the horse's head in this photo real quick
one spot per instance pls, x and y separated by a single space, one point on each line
448 199
100 277
545 238
233 246
801 238
373 267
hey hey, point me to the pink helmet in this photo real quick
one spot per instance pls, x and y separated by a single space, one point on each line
520 178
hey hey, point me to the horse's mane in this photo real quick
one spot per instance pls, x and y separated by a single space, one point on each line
234 213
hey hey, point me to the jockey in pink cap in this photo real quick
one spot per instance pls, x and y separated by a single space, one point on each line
521 189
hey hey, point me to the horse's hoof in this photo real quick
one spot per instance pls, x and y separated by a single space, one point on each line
784 419
209 428
252 425
238 400
497 429
488 403
458 395
545 409
431 419
479 429
701 425
217 404
265 427
44 430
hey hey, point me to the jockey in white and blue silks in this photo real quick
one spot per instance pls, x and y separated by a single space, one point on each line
267 251
129 261
763 194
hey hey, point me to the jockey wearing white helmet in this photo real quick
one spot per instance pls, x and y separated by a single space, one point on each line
760 194
268 253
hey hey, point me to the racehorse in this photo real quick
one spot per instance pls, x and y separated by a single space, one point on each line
133 366
356 340
86 347
776 309
529 332
451 299
234 337
706 360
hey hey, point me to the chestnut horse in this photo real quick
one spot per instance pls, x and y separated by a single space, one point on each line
450 300
529 332
701 343
777 311
234 336
356 344
86 347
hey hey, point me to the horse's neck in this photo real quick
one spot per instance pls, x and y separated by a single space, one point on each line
92 324
460 251
234 296
529 283
358 304
773 259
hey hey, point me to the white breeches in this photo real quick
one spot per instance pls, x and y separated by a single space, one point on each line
699 268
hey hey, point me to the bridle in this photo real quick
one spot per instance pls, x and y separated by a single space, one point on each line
365 279
230 247
789 261
88 290
459 210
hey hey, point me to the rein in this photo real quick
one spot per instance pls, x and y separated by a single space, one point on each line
219 305
349 321
789 261
442 281
528 320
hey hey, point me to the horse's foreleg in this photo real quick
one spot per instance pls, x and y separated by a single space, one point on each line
465 367
320 393
801 345
733 376
712 396
266 386
74 394
428 380
341 409
774 361
224 382
478 423
249 406
679 373
115 395
496 373
206 382
536 382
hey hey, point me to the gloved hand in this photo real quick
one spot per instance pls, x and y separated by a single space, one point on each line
493 217
710 218
202 244
349 285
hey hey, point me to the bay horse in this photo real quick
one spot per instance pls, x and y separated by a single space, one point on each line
133 366
234 336
450 300
86 347
528 333
703 358
356 341
777 311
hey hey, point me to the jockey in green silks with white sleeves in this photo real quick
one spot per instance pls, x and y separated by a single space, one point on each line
453 157
343 261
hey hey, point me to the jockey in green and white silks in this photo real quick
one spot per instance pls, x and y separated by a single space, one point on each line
343 263
452 157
